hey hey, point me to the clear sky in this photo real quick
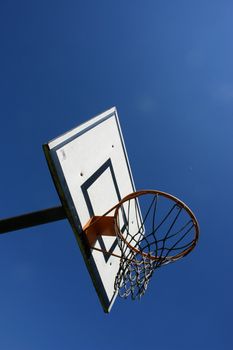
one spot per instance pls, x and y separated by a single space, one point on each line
168 68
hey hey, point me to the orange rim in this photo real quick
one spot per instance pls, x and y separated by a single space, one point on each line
169 196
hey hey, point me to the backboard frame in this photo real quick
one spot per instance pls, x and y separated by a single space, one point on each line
51 150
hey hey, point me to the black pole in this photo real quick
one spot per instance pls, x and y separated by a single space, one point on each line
32 219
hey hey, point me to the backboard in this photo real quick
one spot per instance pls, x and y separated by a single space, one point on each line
91 172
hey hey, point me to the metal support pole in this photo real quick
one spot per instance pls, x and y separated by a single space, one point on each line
32 219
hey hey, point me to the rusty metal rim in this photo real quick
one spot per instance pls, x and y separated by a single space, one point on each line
171 197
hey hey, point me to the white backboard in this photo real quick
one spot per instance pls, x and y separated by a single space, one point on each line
91 172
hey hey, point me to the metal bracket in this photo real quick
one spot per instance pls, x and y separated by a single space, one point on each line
99 226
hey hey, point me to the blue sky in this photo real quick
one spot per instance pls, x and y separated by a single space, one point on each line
167 67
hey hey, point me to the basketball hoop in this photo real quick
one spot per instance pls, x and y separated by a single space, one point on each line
166 231
140 233
153 228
